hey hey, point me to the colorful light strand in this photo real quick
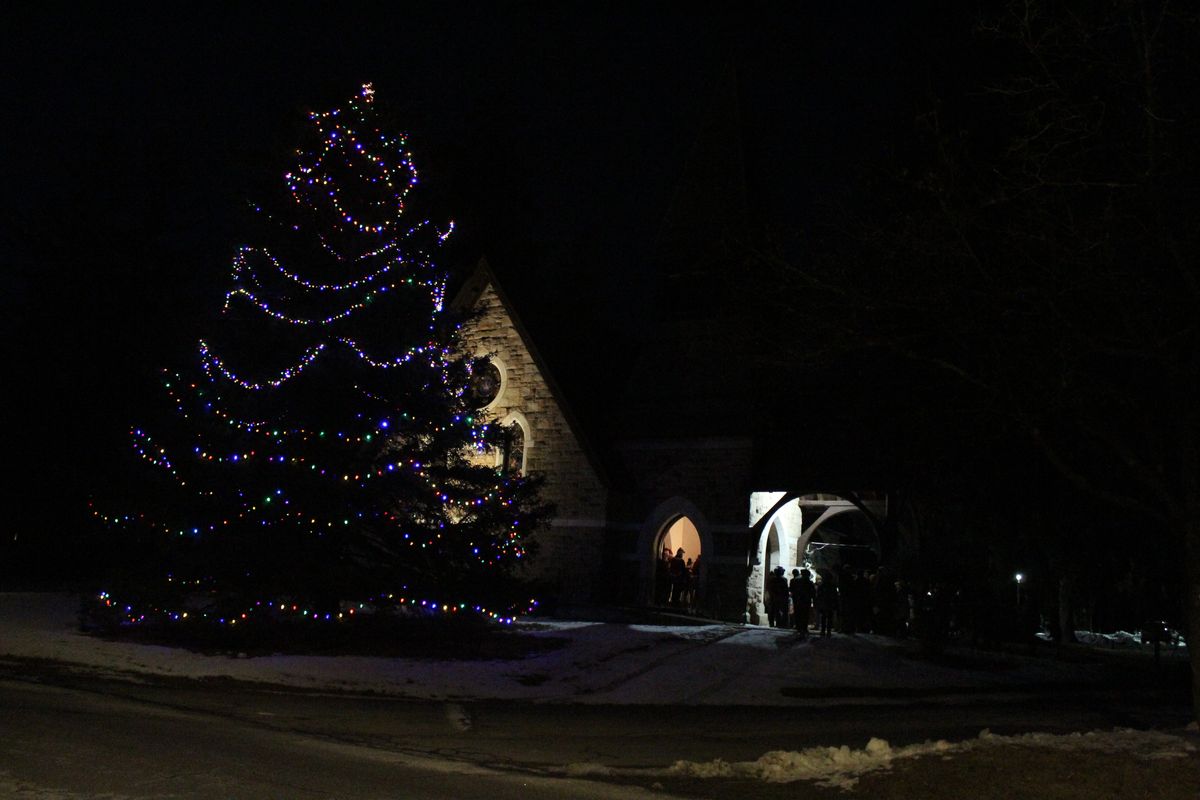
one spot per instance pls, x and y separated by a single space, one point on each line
275 608
452 506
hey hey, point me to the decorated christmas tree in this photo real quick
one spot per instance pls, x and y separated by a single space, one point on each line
322 455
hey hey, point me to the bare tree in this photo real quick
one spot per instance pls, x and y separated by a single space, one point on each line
1039 251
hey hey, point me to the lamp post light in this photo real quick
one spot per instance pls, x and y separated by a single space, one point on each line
1019 578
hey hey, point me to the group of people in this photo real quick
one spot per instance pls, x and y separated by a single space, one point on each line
676 582
858 601
847 600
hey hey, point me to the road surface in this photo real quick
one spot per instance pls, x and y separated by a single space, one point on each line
67 736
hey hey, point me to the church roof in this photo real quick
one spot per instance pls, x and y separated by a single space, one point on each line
570 402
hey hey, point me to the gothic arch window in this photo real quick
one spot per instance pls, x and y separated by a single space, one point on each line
512 456
512 460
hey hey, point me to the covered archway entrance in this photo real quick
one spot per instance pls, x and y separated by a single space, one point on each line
844 542
818 532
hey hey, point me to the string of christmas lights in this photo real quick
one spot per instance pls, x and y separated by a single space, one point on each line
253 298
313 185
213 363
242 269
275 608
377 457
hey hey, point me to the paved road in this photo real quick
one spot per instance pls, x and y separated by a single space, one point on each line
67 736
65 743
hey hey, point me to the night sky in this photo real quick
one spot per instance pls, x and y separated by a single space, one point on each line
134 137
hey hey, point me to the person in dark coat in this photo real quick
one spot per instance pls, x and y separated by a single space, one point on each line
802 592
777 598
847 608
827 601
677 570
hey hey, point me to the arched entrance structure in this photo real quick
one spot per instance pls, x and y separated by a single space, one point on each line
674 524
811 531
676 573
681 534
845 539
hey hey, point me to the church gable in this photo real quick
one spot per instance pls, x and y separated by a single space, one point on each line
552 445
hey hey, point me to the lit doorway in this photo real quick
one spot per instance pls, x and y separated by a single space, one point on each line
678 564
774 553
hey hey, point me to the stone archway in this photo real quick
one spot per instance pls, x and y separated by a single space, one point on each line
679 561
674 520
841 542
787 523
779 530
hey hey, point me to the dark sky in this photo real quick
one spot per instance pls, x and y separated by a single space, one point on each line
134 135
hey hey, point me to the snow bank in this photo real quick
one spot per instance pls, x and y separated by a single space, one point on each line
1120 640
841 767
1120 741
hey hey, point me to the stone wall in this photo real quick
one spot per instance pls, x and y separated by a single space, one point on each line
713 476
571 549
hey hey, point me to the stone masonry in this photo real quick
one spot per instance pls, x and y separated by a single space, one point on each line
571 547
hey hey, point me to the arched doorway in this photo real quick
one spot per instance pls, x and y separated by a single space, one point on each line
820 532
774 551
677 569
782 526
652 536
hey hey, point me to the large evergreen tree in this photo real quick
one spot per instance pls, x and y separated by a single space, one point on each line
323 451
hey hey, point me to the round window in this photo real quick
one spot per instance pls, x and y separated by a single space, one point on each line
485 384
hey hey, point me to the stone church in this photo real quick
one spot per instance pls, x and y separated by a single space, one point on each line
725 496
675 444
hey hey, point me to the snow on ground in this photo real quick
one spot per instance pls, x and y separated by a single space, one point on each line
1124 640
842 766
618 663
724 664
